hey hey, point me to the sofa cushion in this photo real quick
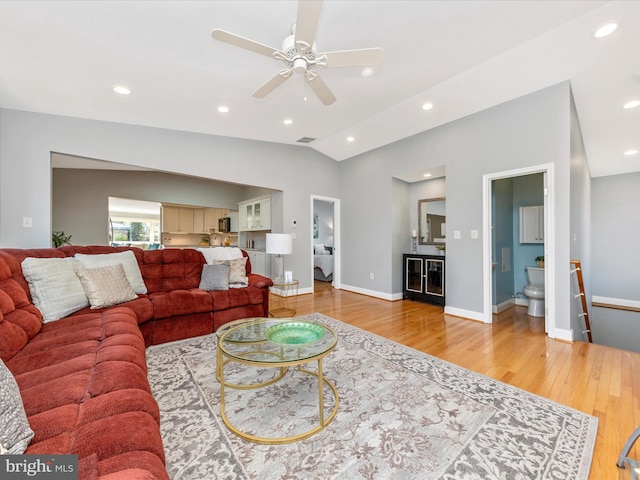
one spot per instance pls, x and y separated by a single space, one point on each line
180 302
128 261
106 286
15 432
55 288
172 269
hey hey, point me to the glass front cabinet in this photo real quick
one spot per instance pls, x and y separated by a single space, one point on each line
423 278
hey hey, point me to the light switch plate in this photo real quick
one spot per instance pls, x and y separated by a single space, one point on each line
474 234
27 222
456 234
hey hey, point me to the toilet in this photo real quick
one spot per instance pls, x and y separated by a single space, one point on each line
534 291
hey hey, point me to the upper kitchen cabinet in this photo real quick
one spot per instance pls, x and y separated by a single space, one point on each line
177 219
255 214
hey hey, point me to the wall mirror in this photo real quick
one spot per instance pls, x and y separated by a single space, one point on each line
431 221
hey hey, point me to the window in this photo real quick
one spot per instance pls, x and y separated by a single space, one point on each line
134 230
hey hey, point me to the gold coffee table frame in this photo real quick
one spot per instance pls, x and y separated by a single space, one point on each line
244 342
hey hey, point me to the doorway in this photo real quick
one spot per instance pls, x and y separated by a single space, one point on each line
495 257
325 240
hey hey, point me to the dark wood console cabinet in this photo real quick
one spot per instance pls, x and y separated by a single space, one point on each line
423 278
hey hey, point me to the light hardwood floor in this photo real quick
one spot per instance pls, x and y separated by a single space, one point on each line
598 380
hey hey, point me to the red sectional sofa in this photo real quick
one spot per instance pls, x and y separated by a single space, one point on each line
83 379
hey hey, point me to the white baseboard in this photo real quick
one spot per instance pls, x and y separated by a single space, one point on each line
372 293
562 334
616 302
460 312
506 305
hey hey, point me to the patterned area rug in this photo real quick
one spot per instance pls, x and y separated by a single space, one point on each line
402 415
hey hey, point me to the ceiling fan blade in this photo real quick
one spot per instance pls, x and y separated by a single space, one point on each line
238 41
271 84
307 22
364 57
320 88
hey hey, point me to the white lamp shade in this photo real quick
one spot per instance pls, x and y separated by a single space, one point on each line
279 243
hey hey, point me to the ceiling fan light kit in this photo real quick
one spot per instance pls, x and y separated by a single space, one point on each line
299 53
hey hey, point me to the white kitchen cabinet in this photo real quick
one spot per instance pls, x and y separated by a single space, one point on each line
255 214
258 262
532 224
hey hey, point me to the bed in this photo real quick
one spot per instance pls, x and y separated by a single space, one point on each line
322 263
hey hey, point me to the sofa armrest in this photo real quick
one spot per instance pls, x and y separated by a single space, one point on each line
259 281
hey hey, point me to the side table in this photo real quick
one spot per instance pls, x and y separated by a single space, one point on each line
284 301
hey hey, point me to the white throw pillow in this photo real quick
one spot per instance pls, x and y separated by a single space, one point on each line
318 249
15 431
55 288
106 286
128 261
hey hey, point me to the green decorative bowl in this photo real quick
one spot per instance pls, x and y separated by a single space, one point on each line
294 333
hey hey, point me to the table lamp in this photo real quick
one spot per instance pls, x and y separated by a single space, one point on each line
279 244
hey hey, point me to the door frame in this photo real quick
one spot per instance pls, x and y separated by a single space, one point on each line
547 170
336 240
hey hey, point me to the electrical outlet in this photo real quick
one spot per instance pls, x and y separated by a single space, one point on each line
371 276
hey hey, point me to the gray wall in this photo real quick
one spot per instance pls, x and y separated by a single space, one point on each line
528 131
80 205
435 188
616 229
580 239
27 140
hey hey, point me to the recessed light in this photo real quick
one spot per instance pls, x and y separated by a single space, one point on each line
426 175
605 30
122 90
351 139
427 106
223 109
630 153
631 104
287 121
367 72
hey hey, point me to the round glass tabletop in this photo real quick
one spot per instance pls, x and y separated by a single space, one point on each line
275 341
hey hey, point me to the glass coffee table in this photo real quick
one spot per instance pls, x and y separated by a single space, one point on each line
272 343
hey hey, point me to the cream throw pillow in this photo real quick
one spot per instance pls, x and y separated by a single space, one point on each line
128 261
55 288
238 273
106 286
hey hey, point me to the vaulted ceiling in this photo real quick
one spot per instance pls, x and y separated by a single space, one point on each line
64 57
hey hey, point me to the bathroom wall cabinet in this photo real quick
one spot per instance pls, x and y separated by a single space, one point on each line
423 278
532 224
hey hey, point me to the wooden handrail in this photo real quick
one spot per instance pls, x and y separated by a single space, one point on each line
583 297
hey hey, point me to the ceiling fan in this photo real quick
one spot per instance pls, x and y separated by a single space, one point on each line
299 53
